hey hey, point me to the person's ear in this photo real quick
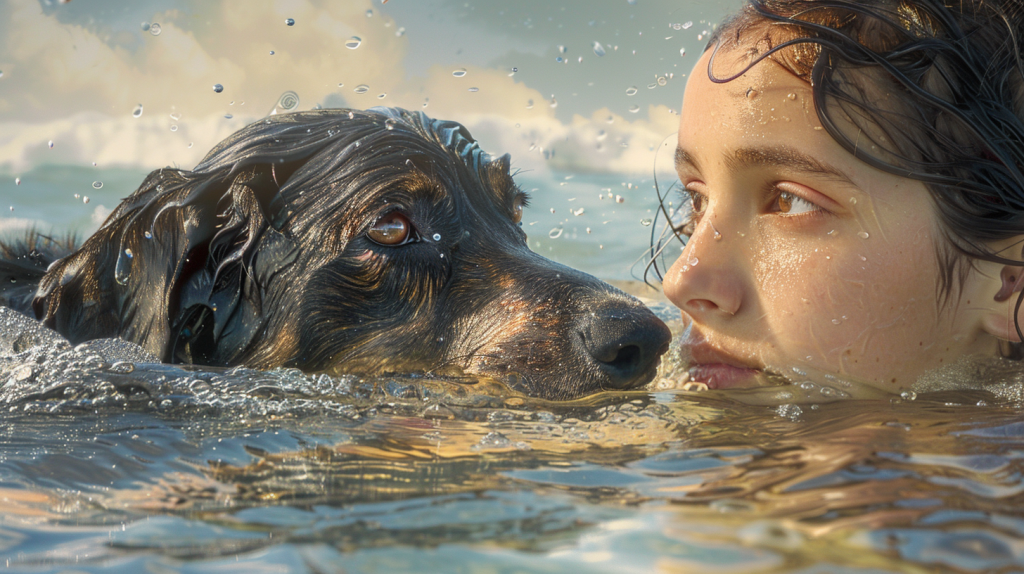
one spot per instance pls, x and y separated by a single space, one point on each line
1000 322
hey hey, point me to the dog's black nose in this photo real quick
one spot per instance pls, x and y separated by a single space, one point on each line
625 344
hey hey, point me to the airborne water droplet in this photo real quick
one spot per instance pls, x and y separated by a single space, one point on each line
17 181
646 221
474 89
137 112
598 48
459 73
289 21
631 91
361 89
682 51
50 144
218 88
154 29
555 233
634 109
97 185
353 42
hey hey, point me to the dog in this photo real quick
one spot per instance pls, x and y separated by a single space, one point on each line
339 241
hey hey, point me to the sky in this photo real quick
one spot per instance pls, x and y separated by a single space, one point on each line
96 79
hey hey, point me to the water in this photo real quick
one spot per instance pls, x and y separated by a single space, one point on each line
110 461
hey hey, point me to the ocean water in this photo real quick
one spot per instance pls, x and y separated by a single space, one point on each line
111 463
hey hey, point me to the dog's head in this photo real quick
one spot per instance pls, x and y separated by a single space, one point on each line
349 241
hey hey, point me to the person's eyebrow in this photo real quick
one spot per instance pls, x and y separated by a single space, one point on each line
684 157
784 156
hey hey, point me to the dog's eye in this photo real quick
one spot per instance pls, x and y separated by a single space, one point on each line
391 229
517 209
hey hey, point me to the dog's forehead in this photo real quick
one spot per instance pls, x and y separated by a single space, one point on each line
449 134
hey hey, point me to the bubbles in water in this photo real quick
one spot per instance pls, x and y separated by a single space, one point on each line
361 89
646 221
353 42
437 237
218 88
97 185
634 109
598 48
863 234
289 21
154 29
459 73
137 112
474 89
555 233
631 91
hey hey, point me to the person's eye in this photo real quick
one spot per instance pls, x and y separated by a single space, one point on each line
792 204
685 219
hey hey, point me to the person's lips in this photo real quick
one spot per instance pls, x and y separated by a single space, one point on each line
717 368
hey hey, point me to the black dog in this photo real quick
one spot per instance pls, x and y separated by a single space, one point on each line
340 241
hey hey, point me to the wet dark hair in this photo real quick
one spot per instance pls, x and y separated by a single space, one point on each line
930 90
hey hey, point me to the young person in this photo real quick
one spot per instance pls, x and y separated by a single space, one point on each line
853 192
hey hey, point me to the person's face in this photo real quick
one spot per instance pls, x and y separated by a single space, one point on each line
803 257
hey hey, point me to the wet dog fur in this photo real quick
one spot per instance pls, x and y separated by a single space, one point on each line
269 254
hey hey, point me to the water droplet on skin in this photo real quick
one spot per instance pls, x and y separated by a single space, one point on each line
218 88
631 91
853 201
751 93
97 185
718 236
862 258
598 49
836 321
863 234
353 42
555 233
908 395
693 262
685 268
361 89
646 221
791 96
154 29
634 109
460 73
289 21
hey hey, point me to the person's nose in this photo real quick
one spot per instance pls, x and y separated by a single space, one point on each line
706 281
